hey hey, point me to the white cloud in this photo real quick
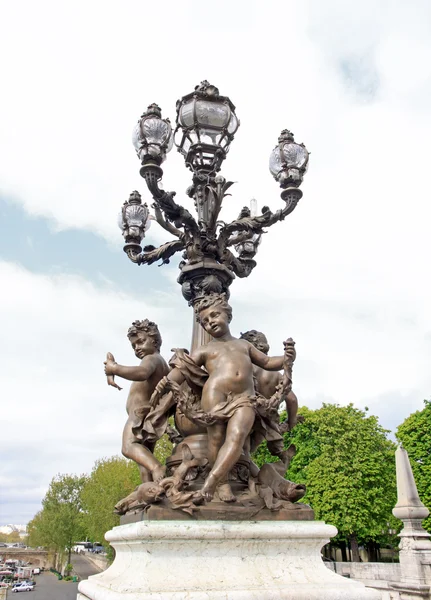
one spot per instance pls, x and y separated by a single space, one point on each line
346 274
58 414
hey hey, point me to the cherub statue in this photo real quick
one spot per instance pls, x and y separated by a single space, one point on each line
268 382
228 393
146 341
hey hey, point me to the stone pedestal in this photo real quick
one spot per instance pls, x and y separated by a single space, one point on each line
415 545
221 560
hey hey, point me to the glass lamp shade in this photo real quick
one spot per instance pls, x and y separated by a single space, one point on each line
152 136
134 219
248 248
206 124
288 161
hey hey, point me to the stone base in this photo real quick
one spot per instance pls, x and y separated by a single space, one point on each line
411 591
221 560
221 511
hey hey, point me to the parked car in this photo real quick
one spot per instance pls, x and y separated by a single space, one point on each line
23 587
27 582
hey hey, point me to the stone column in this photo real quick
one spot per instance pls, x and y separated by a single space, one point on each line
415 545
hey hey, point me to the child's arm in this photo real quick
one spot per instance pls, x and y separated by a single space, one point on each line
174 376
292 413
269 363
292 409
140 373
273 363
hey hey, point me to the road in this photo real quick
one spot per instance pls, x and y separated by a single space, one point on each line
49 588
83 567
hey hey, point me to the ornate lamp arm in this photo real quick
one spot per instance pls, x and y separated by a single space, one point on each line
238 238
151 254
165 224
255 225
291 197
173 212
242 267
152 174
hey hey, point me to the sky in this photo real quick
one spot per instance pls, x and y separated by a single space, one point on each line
346 274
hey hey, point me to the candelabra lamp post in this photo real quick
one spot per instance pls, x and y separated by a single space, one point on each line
213 252
210 524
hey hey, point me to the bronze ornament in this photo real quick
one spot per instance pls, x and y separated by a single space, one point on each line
225 393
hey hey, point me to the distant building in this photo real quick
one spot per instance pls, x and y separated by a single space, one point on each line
21 529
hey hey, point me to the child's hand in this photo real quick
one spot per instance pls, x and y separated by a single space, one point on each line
109 366
289 350
158 391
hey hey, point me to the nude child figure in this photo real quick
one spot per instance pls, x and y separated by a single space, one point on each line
146 341
229 362
267 381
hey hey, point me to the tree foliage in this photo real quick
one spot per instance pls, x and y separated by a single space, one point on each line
415 435
163 449
10 538
110 480
59 524
77 508
347 463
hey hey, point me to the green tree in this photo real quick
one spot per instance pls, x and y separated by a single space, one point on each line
60 522
415 435
39 531
10 538
347 463
163 449
110 480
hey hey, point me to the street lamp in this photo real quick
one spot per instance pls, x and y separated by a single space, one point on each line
206 124
288 161
134 220
214 252
152 136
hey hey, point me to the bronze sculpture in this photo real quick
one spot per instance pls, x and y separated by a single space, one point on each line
225 393
170 487
213 387
228 394
268 381
146 341
214 252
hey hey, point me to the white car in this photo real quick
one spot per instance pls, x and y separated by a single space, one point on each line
23 587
